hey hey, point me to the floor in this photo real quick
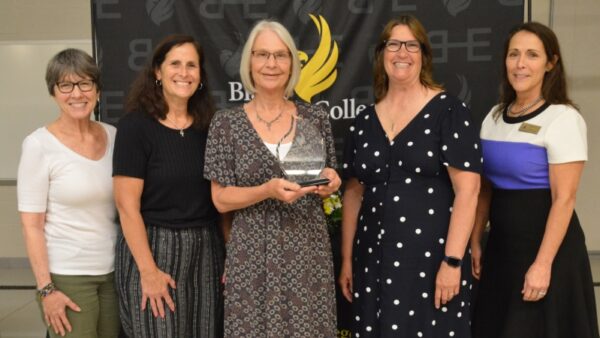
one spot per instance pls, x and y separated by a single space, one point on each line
20 316
19 313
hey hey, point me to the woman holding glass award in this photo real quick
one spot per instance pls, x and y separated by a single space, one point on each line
278 270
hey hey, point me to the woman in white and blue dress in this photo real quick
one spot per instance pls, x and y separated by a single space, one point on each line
535 278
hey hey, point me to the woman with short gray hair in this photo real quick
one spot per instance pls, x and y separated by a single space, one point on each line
67 210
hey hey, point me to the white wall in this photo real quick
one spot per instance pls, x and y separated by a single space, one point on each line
26 104
577 24
31 31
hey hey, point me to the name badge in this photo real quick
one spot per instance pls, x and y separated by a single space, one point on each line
529 128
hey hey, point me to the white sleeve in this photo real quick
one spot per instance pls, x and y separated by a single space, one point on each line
566 138
33 179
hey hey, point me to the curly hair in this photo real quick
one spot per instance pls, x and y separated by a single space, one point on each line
147 96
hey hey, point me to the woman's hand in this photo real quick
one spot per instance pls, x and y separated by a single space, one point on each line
345 280
476 254
334 183
55 314
287 191
155 289
537 281
447 284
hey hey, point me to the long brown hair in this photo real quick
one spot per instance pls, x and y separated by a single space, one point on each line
380 79
146 93
554 86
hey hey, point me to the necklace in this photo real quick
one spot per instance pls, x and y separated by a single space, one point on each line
267 123
523 108
181 132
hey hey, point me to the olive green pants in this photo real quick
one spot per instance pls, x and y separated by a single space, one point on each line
97 298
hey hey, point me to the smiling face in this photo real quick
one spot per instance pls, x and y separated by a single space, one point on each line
402 66
76 104
179 73
526 64
270 75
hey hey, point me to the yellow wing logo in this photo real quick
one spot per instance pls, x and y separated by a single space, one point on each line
318 73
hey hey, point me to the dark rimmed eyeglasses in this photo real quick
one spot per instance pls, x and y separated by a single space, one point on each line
412 46
67 87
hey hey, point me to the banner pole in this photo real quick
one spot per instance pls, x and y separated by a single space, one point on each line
94 50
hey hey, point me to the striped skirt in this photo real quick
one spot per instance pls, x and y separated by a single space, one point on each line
194 259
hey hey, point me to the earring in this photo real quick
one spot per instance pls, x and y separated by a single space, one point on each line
200 87
158 83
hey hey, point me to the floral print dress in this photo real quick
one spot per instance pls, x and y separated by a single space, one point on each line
279 269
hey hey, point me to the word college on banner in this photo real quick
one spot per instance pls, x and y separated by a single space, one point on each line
336 42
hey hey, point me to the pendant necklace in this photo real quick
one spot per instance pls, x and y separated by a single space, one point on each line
267 123
524 108
181 132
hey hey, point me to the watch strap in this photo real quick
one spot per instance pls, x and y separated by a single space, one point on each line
453 261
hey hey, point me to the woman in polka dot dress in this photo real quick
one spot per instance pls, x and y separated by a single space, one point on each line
412 162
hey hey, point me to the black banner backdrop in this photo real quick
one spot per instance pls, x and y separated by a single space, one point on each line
336 40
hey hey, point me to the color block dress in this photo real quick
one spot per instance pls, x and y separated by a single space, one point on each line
404 218
517 152
279 269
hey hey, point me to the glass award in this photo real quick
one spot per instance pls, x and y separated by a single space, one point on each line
306 158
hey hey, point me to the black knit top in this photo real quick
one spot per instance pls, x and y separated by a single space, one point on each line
175 194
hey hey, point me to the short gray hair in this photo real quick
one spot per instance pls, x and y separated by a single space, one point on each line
287 39
68 62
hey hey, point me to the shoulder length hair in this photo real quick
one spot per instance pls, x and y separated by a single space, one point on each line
554 86
286 38
380 78
146 94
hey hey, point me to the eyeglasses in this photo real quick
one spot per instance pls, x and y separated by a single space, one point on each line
67 87
263 55
412 46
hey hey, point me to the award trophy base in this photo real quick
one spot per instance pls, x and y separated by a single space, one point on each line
316 181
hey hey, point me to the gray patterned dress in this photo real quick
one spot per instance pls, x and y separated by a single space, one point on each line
279 268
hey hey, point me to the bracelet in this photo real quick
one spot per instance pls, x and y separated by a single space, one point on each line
46 290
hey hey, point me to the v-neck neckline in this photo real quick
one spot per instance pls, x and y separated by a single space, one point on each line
411 122
77 154
260 140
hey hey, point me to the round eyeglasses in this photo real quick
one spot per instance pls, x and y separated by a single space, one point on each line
412 46
67 87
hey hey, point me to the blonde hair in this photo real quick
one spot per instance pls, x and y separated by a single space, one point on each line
286 38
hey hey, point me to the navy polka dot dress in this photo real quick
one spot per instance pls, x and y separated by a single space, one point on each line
404 218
